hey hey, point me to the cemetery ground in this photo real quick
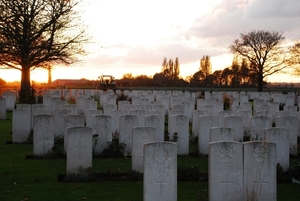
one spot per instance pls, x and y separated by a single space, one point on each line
24 178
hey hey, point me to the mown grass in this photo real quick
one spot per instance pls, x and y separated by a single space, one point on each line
36 179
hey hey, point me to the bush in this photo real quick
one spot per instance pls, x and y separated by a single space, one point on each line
114 150
190 173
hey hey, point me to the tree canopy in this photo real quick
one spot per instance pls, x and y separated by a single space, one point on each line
262 49
295 60
38 34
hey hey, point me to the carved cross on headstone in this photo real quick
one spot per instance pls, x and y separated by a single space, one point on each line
43 138
227 182
162 159
79 148
258 182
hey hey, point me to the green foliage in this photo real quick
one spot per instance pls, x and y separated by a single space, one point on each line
190 173
30 138
295 172
281 176
115 149
133 175
57 151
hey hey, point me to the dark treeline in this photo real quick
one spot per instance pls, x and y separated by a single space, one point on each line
237 75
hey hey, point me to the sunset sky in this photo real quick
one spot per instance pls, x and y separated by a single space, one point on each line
134 36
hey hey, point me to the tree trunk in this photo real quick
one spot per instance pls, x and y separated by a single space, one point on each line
25 91
260 82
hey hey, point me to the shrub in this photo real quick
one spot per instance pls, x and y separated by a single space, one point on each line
115 149
190 173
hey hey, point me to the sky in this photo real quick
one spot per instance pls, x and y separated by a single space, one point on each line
134 36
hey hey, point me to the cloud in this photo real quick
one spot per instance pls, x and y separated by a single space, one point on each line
274 9
140 39
230 18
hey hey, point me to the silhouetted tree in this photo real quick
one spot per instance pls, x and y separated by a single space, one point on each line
39 33
205 65
176 69
197 79
209 80
127 76
160 80
235 70
262 49
226 77
171 70
143 81
295 57
218 77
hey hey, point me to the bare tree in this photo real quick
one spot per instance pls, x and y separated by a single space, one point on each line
295 57
262 49
38 34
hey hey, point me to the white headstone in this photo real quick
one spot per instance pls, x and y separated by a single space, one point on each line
210 109
246 116
175 112
2 108
101 125
89 116
72 120
235 122
221 134
200 102
188 108
10 100
225 171
80 102
115 118
90 104
126 124
72 107
222 114
178 127
146 108
43 134
195 124
141 116
107 108
290 100
21 125
79 152
257 103
59 116
158 122
140 135
257 127
160 107
160 171
260 171
165 100
103 99
280 136
292 110
289 122
206 122
122 104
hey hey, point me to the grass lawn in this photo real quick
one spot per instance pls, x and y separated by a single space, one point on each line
36 179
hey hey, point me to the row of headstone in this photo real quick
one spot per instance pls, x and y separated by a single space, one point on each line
242 171
159 162
258 125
